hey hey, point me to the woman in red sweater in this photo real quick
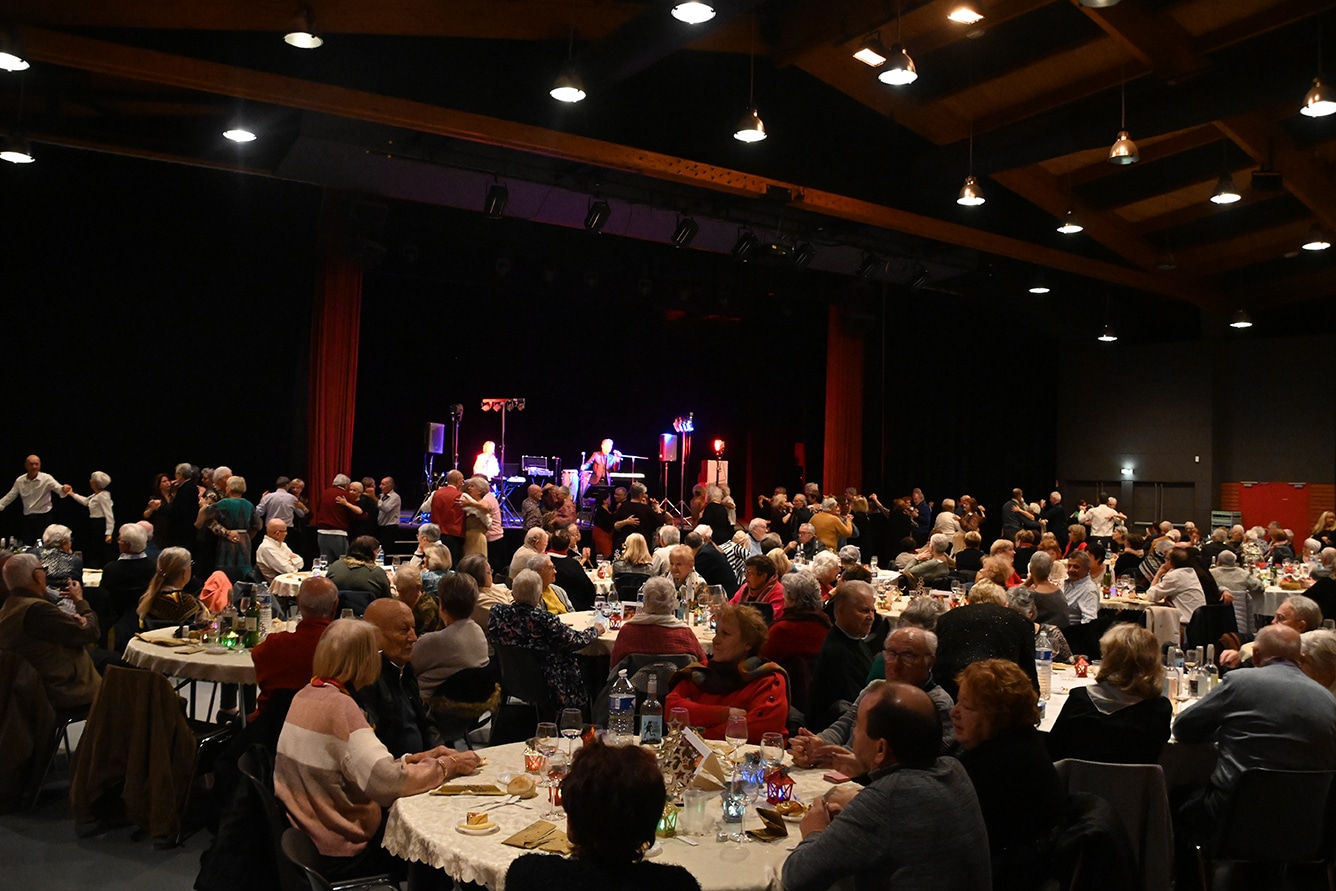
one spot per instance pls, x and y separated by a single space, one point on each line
655 628
735 679
796 638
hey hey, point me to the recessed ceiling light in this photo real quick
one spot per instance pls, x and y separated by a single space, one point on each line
965 15
872 52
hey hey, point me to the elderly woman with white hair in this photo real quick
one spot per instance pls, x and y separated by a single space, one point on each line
235 523
101 520
1319 656
525 623
482 515
655 627
796 637
933 562
58 557
830 526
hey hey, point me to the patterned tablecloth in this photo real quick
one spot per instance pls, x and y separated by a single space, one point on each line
422 828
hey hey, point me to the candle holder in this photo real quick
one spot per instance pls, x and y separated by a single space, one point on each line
667 827
778 786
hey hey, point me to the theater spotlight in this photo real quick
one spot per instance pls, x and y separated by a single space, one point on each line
718 448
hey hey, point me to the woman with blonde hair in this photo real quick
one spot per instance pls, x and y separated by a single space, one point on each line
635 559
436 563
783 565
1324 530
1124 717
166 599
332 772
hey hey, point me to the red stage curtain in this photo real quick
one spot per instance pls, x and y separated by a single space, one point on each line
843 452
335 326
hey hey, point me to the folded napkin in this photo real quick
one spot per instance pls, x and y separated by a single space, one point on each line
467 789
774 828
540 835
710 775
169 641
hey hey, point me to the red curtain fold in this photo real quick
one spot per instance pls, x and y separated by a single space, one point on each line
843 452
335 328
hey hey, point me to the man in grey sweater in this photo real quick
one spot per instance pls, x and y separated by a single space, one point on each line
915 825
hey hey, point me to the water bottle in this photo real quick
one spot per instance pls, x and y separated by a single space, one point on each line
266 602
1178 660
1210 673
622 707
1043 664
1171 675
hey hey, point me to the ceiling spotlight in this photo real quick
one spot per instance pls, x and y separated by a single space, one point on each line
872 52
971 193
16 150
900 71
686 230
239 134
867 266
12 57
1241 320
750 127
693 12
567 87
302 33
495 205
746 245
597 216
965 15
803 254
1225 193
1317 240
1108 336
1070 225
1320 100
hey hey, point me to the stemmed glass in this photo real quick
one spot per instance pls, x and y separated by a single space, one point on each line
772 750
546 738
558 765
678 718
572 722
735 733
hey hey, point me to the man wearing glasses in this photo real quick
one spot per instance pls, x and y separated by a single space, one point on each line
53 640
910 654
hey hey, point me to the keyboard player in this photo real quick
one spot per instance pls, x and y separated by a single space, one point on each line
637 514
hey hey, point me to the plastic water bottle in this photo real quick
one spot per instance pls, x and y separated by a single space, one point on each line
1043 664
622 707
266 601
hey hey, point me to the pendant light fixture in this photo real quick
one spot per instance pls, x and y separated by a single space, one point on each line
302 33
1241 320
750 127
1225 193
1099 4
239 133
12 56
15 148
1321 99
971 193
693 12
1069 224
899 70
568 87
1317 239
1108 335
1124 150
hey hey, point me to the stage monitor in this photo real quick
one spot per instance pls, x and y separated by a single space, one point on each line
434 439
667 447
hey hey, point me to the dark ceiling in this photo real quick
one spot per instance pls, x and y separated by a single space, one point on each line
432 100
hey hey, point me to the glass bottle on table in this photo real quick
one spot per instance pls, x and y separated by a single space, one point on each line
651 715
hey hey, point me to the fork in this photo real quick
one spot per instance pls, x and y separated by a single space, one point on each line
509 799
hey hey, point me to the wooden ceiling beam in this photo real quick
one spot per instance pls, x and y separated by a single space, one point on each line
1315 284
1045 191
1191 202
1277 15
1306 177
1156 41
102 57
1152 150
1243 250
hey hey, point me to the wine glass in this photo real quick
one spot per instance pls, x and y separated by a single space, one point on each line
572 722
546 738
678 718
772 750
1192 658
557 767
735 733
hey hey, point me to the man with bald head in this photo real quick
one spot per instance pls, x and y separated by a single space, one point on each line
916 822
393 704
273 556
909 654
1272 716
283 660
34 490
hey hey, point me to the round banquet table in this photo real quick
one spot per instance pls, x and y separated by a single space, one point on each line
422 828
287 584
232 667
602 586
603 646
1161 621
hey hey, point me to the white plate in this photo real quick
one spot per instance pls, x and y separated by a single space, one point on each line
217 651
655 850
484 830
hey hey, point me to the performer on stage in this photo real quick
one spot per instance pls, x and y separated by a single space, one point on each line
605 459
485 464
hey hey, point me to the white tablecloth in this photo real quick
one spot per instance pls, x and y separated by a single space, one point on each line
232 667
1161 621
603 646
422 828
92 578
287 584
1064 680
1272 597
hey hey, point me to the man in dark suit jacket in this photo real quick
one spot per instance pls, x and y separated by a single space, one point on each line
570 574
183 510
393 705
846 657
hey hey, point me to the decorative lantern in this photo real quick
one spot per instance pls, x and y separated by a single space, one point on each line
1082 666
615 621
667 827
778 786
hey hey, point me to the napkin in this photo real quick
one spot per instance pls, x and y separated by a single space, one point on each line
710 775
773 828
540 835
467 789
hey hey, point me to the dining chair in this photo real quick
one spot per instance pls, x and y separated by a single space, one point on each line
1138 795
300 850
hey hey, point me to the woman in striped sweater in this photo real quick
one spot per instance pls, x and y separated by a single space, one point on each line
333 774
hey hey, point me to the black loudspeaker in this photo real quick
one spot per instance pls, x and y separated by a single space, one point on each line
434 438
667 447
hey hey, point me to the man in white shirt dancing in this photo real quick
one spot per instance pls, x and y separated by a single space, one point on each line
34 488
